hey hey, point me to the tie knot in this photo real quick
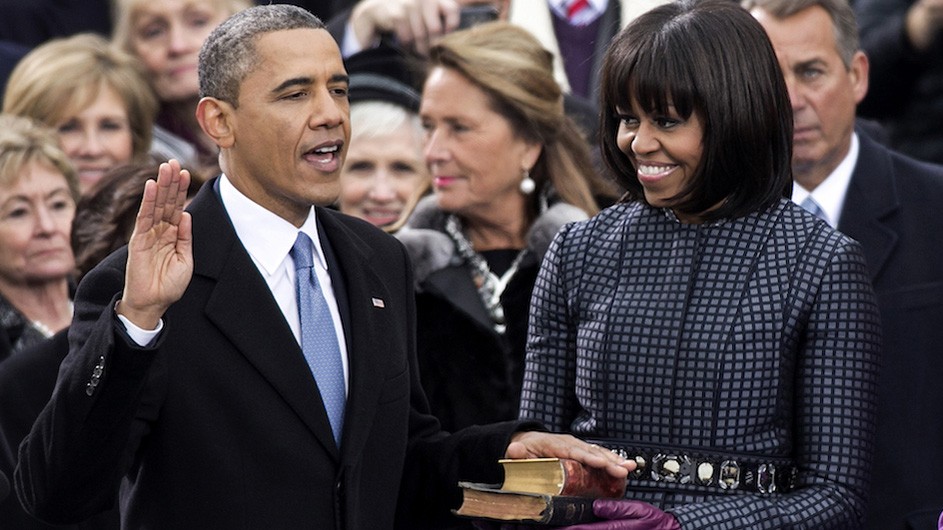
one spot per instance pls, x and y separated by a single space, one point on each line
574 9
813 207
301 252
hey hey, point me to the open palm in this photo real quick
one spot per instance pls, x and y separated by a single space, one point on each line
160 252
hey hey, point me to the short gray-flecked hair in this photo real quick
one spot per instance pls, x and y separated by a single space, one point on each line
228 56
840 11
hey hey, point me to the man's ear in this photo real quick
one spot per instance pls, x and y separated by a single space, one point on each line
859 75
216 118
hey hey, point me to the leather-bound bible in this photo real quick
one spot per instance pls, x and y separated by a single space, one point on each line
550 491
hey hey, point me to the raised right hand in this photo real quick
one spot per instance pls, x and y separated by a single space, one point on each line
160 252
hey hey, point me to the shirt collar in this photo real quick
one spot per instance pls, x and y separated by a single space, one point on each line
267 237
830 194
559 6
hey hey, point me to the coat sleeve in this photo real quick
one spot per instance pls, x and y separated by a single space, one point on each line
436 460
548 395
72 462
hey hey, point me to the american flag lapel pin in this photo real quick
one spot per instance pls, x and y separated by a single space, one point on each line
378 302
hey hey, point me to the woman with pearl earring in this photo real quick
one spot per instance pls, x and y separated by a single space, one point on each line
508 169
527 184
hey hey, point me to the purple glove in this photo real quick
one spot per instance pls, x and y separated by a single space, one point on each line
619 514
622 514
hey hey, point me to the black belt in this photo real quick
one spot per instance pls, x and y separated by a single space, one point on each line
726 471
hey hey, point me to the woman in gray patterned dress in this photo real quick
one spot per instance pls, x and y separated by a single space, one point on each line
706 326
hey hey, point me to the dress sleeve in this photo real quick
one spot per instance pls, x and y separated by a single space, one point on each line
548 394
835 403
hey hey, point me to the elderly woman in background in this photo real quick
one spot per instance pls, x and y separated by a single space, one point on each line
509 169
103 223
38 192
384 174
166 36
93 94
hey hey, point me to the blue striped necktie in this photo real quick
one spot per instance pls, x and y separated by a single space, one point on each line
318 337
813 207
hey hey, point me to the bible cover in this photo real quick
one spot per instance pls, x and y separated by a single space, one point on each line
489 501
560 476
549 491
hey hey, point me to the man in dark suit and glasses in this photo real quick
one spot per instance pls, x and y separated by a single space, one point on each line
889 203
186 385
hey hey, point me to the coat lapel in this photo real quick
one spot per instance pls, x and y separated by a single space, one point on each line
242 307
870 204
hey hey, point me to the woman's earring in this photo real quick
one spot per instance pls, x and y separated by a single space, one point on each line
527 184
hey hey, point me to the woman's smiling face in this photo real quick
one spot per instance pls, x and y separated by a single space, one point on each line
665 149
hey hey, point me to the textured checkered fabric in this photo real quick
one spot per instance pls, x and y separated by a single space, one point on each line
755 336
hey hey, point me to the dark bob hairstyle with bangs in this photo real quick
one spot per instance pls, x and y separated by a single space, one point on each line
712 58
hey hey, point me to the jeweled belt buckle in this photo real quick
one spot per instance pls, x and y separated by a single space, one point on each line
672 468
729 475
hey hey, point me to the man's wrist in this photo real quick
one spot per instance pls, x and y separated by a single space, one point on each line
143 320
141 337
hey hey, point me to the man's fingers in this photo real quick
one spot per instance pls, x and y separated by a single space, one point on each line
420 30
432 14
168 202
603 457
451 14
145 218
164 178
181 198
403 27
164 198
185 235
534 444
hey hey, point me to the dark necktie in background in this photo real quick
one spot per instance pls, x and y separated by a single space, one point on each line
318 337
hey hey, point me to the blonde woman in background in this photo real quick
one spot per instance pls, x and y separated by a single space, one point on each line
93 94
38 193
166 36
509 169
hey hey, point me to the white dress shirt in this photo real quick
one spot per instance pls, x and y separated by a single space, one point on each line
830 194
268 239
